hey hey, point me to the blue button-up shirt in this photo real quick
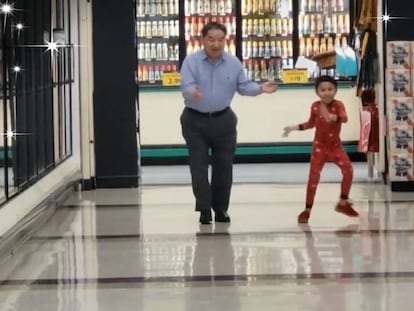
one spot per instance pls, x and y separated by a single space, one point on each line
218 81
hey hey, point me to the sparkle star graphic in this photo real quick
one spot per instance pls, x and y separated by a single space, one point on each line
387 18
12 134
6 9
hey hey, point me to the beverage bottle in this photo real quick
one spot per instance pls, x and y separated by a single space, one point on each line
261 49
267 50
244 28
158 8
255 26
271 71
176 51
221 7
311 5
200 24
207 9
256 71
304 6
157 76
151 74
228 6
285 27
250 70
154 30
165 8
273 27
260 29
187 27
233 25
347 27
147 51
148 29
171 28
278 49
145 73
244 50
319 5
340 24
272 48
316 46
165 51
153 51
255 50
160 29
176 28
200 7
267 26
214 7
140 74
263 70
302 47
166 30
340 5
334 23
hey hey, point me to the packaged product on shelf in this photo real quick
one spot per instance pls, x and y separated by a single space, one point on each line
401 111
401 166
399 54
401 138
398 82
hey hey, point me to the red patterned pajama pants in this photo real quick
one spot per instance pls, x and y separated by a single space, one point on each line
319 157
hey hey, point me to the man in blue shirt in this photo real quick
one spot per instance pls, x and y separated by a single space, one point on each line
209 80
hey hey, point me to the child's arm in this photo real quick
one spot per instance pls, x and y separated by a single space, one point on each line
341 115
302 126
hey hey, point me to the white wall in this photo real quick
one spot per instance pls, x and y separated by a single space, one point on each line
261 119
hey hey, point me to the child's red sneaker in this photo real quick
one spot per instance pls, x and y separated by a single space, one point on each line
304 217
346 209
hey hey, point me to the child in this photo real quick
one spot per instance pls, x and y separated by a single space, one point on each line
326 116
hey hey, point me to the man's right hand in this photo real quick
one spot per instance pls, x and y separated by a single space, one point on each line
197 94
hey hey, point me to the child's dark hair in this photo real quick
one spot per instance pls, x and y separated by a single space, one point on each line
329 79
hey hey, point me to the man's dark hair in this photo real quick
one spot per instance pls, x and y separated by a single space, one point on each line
213 26
329 79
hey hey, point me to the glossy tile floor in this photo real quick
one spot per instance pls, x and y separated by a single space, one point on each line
143 249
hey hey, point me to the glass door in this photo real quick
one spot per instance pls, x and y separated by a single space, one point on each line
158 40
267 46
200 12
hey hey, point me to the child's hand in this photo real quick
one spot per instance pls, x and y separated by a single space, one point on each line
333 117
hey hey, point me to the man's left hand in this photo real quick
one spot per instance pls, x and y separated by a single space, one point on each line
269 87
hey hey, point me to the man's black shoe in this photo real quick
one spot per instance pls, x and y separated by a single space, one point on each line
222 216
205 217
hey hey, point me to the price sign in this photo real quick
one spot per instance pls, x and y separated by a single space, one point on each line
291 76
171 79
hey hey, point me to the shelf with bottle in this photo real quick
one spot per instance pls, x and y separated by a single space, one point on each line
194 24
158 29
311 46
323 6
209 7
267 49
157 8
264 69
312 24
274 27
257 8
151 75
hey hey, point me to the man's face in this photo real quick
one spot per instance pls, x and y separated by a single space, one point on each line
326 91
214 43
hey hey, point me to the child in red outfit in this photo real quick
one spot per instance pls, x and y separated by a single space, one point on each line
327 116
